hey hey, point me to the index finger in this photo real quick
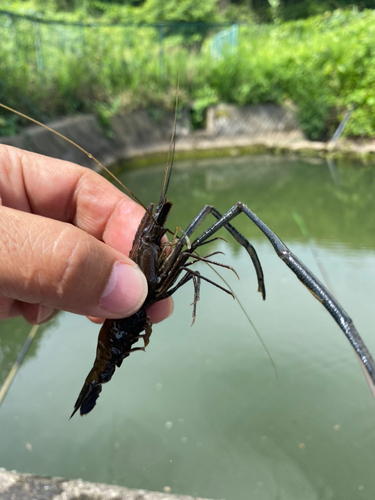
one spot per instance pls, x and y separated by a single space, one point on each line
69 193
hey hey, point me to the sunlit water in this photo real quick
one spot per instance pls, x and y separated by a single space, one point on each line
202 411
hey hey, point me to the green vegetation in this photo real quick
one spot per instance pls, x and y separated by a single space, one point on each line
323 64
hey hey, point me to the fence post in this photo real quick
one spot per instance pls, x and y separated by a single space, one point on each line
38 48
161 51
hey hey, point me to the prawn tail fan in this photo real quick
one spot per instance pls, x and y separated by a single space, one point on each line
87 398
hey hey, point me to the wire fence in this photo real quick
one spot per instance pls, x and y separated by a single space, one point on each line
89 59
51 68
47 44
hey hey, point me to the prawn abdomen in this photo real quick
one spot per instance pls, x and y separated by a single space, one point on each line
116 338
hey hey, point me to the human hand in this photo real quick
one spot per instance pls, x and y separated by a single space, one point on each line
65 236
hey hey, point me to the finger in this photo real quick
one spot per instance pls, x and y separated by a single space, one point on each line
97 321
9 308
67 192
37 314
160 310
33 313
59 266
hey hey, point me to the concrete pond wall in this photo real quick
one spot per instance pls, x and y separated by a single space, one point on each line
147 133
230 130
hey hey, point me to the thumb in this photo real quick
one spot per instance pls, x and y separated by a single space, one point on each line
48 262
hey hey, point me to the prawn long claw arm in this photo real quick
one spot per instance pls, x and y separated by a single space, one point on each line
311 282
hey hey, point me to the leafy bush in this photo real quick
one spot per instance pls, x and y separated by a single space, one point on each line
324 65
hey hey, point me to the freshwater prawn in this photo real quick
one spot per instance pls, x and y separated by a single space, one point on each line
167 267
163 270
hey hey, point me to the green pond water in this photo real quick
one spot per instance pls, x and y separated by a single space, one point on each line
202 411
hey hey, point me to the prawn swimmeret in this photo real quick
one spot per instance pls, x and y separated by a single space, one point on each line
167 267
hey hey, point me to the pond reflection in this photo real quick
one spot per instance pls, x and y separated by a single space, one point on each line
13 335
202 411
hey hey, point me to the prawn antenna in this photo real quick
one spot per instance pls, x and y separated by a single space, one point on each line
78 147
172 148
248 318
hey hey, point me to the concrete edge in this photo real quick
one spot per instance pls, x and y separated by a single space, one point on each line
139 136
15 486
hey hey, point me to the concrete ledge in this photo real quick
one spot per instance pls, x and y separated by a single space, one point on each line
141 134
224 119
132 134
14 486
84 130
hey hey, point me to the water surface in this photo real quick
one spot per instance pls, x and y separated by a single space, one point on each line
202 411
